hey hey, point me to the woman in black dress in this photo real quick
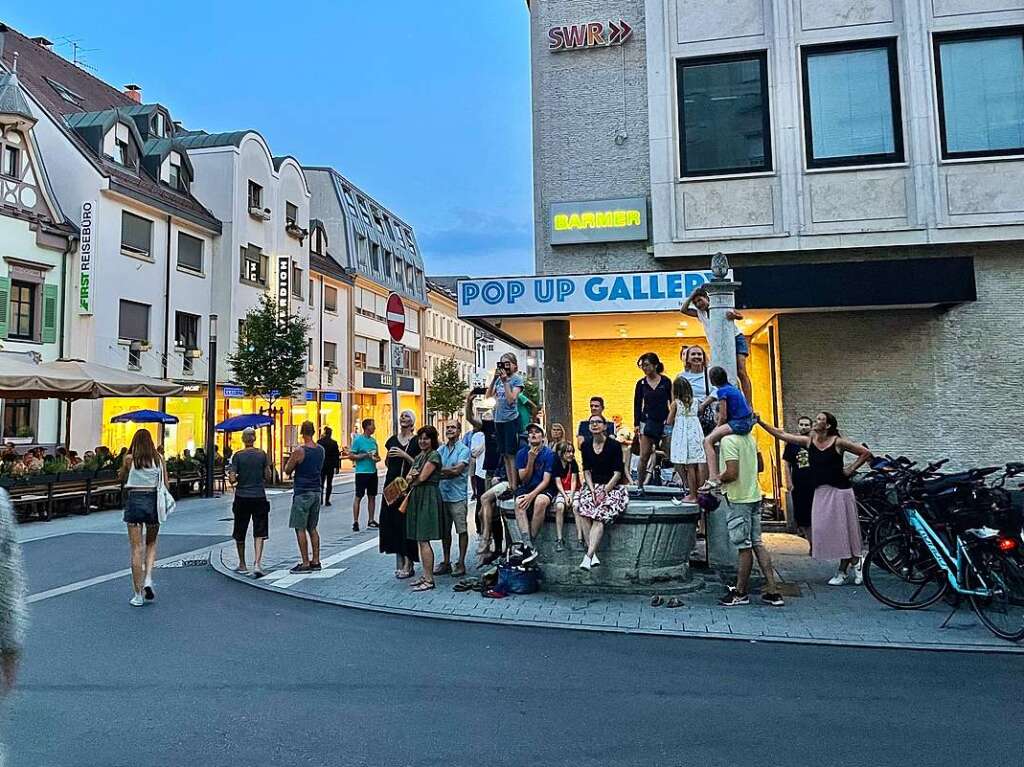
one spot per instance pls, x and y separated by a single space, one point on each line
402 450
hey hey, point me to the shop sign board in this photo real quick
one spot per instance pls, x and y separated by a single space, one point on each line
383 381
330 396
234 392
578 293
618 220
284 268
86 239
590 34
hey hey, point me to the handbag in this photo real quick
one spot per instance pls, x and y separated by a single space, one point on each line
708 416
165 503
394 490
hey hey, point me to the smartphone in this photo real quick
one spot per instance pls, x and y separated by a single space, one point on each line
479 391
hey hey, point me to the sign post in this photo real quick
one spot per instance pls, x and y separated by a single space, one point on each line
396 327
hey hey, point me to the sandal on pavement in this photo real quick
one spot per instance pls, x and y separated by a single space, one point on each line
443 570
709 486
459 572
404 574
657 601
674 602
424 586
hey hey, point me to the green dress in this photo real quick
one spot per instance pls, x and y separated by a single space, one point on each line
423 514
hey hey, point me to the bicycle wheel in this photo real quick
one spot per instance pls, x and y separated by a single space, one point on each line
886 526
900 572
1003 611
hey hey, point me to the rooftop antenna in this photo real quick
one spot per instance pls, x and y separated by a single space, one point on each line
77 50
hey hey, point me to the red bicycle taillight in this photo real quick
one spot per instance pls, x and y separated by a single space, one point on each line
1006 544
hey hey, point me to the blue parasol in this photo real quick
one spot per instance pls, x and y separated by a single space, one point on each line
144 416
240 422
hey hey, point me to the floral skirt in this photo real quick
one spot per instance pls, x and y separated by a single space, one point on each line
607 508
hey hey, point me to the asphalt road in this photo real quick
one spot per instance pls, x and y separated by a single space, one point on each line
217 673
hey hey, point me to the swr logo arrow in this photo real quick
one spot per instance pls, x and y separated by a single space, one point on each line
618 33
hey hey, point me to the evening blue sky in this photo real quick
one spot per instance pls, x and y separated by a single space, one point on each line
425 105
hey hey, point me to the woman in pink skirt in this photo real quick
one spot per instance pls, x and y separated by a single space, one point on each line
835 530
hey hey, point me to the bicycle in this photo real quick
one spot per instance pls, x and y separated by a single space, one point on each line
987 567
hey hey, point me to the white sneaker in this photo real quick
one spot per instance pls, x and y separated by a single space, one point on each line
586 563
858 573
594 561
137 601
838 579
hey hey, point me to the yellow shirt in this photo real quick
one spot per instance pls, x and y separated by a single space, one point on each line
741 448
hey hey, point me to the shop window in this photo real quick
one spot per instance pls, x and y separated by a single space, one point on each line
255 195
11 162
330 299
255 266
852 104
22 321
18 420
190 253
980 78
136 235
723 114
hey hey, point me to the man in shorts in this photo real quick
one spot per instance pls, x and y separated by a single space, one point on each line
249 471
365 455
305 463
737 455
535 465
455 458
505 388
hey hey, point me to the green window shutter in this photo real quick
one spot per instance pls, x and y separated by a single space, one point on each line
5 302
49 314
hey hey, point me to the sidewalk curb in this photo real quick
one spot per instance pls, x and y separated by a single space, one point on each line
216 561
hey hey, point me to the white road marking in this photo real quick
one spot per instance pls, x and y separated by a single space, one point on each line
291 580
285 578
79 585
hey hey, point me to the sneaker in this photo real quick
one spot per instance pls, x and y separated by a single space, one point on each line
136 600
257 572
858 573
595 561
148 592
676 501
586 564
733 599
775 600
301 568
373 523
355 527
559 545
838 579
529 555
315 567
516 552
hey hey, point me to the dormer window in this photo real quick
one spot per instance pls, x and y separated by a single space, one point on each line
116 145
65 92
11 162
364 210
160 125
176 179
350 201
378 221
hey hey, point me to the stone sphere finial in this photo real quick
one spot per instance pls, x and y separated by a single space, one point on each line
719 266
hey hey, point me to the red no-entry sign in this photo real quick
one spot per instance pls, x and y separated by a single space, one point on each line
396 317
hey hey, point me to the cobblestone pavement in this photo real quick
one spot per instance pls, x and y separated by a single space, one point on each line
356 575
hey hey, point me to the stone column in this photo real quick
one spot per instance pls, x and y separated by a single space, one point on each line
722 340
558 374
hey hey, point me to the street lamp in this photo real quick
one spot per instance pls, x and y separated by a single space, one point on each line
211 403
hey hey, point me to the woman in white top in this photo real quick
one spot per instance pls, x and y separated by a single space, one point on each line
145 472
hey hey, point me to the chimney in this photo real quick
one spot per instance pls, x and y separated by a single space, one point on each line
43 42
134 92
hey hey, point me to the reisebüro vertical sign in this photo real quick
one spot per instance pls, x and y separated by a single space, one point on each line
86 242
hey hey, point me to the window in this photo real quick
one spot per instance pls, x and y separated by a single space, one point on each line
367 353
980 78
136 234
121 150
174 180
186 330
378 221
412 321
362 248
11 162
387 264
375 256
18 418
364 210
65 93
255 195
399 271
410 277
22 322
296 280
291 213
350 201
312 291
133 321
852 104
160 124
330 353
723 114
330 299
409 241
387 225
255 265
316 241
190 253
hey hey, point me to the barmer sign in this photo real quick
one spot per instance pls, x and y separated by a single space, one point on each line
598 221
591 34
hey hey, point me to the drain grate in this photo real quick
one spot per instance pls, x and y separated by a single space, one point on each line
186 563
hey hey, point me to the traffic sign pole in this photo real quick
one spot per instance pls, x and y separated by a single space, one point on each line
396 327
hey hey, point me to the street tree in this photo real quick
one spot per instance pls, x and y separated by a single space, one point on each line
446 394
269 361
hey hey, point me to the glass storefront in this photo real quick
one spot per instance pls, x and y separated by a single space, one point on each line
118 435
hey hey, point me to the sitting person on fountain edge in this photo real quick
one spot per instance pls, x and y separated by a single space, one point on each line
535 465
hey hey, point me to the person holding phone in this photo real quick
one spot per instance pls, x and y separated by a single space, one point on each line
505 388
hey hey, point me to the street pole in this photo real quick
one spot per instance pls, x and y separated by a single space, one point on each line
211 404
394 392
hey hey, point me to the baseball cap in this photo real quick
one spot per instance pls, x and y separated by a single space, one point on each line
535 427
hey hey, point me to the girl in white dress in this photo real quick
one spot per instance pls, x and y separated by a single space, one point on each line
687 448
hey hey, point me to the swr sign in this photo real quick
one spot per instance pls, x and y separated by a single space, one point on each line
591 34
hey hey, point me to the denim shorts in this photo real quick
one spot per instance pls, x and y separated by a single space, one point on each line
140 507
742 345
743 425
507 433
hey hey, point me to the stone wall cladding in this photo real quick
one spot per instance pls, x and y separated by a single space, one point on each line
927 383
580 105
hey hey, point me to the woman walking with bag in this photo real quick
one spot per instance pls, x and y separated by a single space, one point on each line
145 507
835 529
402 449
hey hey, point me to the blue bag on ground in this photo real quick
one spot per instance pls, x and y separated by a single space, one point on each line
518 580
